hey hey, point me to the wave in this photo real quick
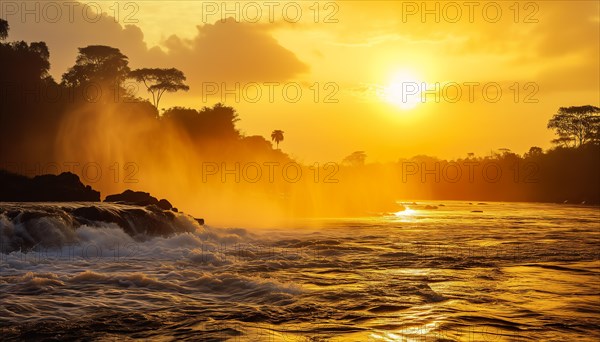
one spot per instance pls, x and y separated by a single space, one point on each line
24 226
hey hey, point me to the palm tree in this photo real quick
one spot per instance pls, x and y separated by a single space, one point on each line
277 136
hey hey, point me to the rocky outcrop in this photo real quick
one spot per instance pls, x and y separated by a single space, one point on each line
65 187
139 198
51 225
132 197
165 205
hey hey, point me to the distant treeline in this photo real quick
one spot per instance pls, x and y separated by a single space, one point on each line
560 175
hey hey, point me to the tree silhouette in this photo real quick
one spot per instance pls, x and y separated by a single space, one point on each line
4 29
504 151
99 64
577 124
277 136
159 81
217 122
563 141
22 62
534 151
355 159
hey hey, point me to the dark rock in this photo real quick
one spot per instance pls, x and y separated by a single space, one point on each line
200 221
138 222
164 204
175 209
430 207
150 220
154 208
169 215
89 215
65 187
476 211
133 197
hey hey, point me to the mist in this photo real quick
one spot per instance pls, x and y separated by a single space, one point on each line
91 124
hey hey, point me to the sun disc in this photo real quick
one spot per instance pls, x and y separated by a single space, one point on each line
403 91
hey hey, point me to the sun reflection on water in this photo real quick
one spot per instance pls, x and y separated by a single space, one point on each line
406 212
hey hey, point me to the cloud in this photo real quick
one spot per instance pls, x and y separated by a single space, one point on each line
221 52
64 35
230 51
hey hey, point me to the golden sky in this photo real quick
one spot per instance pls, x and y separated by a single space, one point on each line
351 60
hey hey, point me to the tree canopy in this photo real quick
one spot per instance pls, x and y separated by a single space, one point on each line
3 29
534 151
98 63
217 122
24 62
159 81
576 125
356 158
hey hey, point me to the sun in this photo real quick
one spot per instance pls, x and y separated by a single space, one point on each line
403 91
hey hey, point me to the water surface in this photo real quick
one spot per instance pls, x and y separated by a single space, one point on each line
515 271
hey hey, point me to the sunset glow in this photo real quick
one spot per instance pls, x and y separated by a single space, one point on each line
299 170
